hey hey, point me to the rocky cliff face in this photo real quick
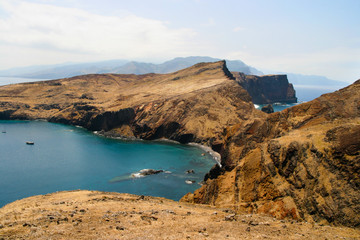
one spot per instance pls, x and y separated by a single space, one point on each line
194 104
268 88
301 163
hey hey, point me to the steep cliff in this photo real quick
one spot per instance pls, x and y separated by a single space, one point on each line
194 104
267 88
301 163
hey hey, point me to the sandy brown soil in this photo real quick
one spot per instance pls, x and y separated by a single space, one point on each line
301 163
99 215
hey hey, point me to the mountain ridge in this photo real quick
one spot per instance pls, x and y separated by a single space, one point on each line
122 67
58 71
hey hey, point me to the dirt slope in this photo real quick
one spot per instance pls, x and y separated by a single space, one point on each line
98 215
194 104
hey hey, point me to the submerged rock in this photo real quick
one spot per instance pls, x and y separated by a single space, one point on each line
189 181
146 172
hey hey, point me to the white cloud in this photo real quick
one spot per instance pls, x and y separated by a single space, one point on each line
52 28
238 29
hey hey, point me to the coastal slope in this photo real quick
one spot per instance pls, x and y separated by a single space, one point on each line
103 215
302 163
191 105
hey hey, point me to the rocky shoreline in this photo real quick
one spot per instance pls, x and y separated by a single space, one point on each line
215 155
301 163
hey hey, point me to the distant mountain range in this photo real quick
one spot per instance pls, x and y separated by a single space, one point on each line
120 66
132 67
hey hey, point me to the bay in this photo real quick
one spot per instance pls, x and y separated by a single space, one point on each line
68 158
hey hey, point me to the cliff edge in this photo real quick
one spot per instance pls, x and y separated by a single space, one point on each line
268 88
191 105
302 162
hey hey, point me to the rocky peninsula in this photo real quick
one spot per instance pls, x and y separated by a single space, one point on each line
301 164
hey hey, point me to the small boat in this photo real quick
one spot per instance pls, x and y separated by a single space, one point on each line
30 143
4 131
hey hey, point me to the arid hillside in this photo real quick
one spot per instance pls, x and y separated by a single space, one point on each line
194 104
100 215
302 163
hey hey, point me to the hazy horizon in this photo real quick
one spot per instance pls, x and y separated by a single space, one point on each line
304 37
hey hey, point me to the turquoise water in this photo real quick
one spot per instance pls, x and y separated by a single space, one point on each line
276 106
68 158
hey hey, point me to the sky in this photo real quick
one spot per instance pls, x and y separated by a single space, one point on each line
314 37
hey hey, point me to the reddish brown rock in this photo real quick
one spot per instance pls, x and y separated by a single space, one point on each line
300 163
303 163
191 105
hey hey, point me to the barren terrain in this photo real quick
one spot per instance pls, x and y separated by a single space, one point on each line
99 215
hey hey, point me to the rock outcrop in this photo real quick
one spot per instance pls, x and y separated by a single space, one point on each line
267 109
303 163
268 88
191 105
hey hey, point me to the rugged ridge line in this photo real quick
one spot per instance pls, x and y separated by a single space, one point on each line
301 163
190 105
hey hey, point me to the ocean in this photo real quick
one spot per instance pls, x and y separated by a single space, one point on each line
67 158
13 80
304 93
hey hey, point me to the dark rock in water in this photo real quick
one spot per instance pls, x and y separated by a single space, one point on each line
267 109
146 172
150 171
189 181
190 171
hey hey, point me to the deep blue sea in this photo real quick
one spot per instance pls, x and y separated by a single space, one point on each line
68 158
304 93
